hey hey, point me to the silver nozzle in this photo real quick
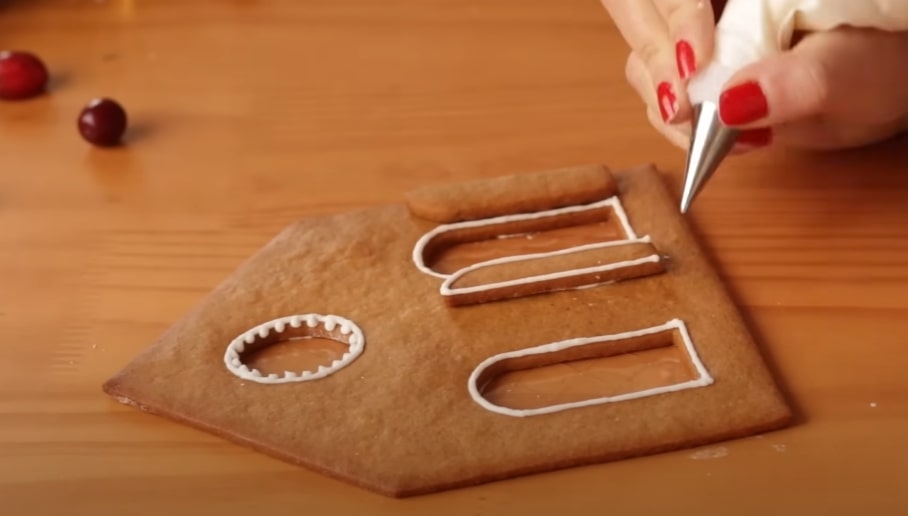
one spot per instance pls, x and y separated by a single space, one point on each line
710 142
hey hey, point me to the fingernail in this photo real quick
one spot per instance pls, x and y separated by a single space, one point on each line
668 103
755 137
684 55
743 104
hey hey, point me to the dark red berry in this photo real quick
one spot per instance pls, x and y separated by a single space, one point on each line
22 75
102 122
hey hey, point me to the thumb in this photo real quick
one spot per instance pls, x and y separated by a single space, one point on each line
850 75
782 88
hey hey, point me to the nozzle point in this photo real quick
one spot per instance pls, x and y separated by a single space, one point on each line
685 204
710 142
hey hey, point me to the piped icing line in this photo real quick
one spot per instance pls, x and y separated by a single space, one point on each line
613 202
447 290
703 377
623 218
354 340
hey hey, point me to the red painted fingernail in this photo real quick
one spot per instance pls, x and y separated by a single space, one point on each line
743 104
755 137
684 55
668 103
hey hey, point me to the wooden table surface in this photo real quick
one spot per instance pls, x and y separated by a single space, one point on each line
247 115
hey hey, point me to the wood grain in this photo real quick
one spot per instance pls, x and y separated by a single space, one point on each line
247 115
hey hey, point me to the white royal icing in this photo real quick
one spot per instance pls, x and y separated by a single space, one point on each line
355 341
613 202
703 377
447 290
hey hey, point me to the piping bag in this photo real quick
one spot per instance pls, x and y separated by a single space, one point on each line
748 31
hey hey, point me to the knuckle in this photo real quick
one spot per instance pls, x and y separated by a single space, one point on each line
815 91
636 76
674 11
631 68
649 52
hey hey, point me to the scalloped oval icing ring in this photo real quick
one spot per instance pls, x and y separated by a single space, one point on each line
295 326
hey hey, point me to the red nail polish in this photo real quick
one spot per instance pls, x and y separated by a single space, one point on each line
668 103
743 104
755 137
684 55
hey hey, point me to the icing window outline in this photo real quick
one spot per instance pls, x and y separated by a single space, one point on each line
612 202
703 377
351 335
447 290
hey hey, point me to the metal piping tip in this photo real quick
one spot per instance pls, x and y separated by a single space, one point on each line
710 142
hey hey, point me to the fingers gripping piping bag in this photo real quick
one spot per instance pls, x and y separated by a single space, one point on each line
748 31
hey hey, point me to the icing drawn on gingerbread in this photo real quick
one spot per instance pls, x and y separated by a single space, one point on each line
578 267
294 327
526 357
530 222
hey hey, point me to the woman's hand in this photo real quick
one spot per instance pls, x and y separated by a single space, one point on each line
837 89
832 90
669 39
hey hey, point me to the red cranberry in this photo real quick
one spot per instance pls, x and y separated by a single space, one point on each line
102 122
22 75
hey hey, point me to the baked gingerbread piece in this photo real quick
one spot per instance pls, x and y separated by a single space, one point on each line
504 195
483 330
